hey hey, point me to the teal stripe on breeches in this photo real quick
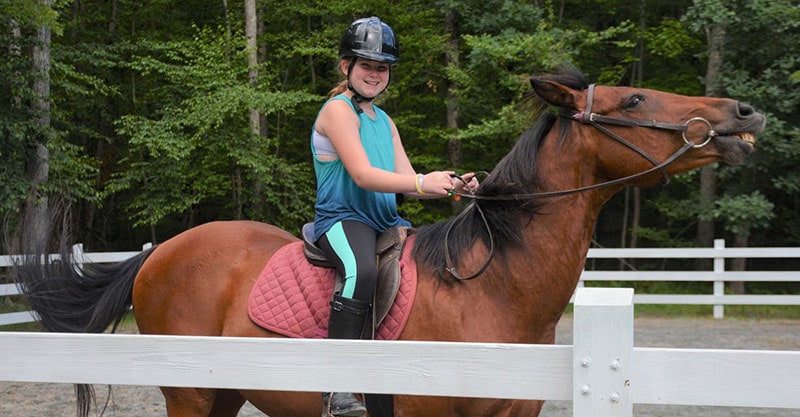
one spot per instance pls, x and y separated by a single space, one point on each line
339 243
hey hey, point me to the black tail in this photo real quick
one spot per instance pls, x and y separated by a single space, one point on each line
66 296
69 298
79 300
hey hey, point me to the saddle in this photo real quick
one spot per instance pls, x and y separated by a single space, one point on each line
388 251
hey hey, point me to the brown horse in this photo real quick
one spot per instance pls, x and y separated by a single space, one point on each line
524 239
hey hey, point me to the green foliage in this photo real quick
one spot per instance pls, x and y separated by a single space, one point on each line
200 149
15 93
704 13
30 14
743 212
494 137
669 39
661 237
150 131
72 173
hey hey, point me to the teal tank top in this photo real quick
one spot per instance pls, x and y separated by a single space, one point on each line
339 198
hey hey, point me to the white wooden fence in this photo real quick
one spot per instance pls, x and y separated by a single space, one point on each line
715 278
603 374
718 277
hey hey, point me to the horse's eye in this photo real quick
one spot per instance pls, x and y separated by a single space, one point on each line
634 101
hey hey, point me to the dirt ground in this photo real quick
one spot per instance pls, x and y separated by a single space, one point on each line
58 400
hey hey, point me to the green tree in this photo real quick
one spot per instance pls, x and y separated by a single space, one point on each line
150 133
187 160
25 115
758 72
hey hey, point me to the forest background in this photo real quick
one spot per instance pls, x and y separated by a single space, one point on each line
150 117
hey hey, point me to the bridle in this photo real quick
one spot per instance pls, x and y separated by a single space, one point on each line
597 121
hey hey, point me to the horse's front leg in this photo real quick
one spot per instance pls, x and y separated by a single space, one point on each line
201 402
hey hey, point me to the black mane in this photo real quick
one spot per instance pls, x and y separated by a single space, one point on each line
514 174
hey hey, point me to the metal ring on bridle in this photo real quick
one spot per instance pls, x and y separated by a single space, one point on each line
711 133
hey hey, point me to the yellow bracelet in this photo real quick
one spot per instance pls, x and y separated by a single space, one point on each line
418 182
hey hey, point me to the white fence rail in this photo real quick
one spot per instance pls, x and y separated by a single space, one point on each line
717 278
603 374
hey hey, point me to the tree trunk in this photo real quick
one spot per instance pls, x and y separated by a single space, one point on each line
454 148
452 59
228 30
637 78
251 33
623 235
638 73
39 160
258 188
112 20
708 176
261 56
15 50
739 264
636 218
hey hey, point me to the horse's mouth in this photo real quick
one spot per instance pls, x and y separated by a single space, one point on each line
745 134
747 137
735 147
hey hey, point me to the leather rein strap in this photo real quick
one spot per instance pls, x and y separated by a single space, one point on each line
597 121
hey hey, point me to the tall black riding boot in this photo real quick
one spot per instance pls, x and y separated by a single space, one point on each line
346 322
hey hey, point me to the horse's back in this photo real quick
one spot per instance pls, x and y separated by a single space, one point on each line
192 281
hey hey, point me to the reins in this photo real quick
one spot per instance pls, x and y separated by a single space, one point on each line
597 121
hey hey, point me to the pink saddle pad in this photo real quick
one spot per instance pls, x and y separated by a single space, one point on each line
292 297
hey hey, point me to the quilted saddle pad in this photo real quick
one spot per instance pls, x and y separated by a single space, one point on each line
292 297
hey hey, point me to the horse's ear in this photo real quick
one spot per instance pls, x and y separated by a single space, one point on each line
553 93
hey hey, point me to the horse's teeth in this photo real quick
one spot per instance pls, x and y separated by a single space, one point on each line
748 137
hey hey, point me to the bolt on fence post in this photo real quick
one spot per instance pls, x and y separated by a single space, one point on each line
603 352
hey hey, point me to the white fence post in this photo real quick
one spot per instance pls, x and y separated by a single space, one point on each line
77 256
603 352
719 285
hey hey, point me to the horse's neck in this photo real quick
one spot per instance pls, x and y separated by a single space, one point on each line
558 238
556 244
528 287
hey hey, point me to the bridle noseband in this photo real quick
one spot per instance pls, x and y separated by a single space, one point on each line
597 121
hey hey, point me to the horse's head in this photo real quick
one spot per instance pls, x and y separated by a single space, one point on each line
604 139
637 130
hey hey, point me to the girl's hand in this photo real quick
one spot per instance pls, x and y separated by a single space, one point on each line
438 183
467 183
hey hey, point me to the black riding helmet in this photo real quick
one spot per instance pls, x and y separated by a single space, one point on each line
371 39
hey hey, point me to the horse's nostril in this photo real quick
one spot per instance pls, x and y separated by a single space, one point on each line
745 109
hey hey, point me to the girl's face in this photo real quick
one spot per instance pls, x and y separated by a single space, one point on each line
368 78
